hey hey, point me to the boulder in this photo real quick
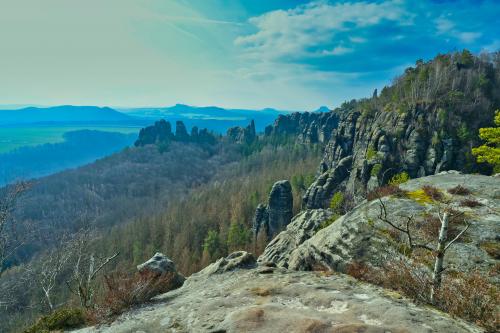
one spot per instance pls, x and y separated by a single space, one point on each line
160 265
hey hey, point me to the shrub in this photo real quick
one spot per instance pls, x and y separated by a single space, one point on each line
328 221
471 203
408 278
376 170
459 190
62 319
337 202
468 296
371 153
124 291
399 178
492 248
385 191
431 225
433 192
360 271
471 297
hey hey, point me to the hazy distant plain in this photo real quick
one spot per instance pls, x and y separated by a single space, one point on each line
15 137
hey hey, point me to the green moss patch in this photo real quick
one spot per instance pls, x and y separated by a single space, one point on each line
59 320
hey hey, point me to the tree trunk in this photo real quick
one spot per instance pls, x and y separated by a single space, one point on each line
47 296
438 265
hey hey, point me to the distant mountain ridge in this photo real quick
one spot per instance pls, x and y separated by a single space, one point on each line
64 113
201 112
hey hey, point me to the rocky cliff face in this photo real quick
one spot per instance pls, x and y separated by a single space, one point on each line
307 127
425 123
277 214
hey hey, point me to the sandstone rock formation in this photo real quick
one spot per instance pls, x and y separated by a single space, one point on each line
360 236
242 134
235 260
161 132
181 133
275 216
307 127
303 226
421 128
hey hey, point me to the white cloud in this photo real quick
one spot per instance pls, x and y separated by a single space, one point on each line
338 50
296 32
444 25
358 40
468 37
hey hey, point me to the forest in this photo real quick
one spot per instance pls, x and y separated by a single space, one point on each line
194 203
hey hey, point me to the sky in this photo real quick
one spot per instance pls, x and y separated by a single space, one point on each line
290 55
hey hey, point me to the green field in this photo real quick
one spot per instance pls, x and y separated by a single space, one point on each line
15 137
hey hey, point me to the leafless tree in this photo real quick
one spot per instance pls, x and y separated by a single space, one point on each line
86 267
12 236
439 251
47 269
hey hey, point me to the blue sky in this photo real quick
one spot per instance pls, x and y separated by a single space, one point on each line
294 55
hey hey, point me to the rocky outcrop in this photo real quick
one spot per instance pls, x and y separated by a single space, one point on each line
360 236
320 192
307 127
161 133
275 216
236 260
283 301
181 133
303 226
245 135
424 124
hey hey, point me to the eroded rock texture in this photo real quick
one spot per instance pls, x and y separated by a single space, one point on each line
360 236
245 300
242 134
277 214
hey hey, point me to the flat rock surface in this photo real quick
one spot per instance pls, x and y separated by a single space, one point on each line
282 301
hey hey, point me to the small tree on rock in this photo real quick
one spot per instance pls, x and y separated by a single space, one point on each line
438 252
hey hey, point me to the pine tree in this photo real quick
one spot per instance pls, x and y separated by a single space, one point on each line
489 152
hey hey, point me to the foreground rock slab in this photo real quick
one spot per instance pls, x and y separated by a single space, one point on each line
245 300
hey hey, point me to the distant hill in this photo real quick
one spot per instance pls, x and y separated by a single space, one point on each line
212 117
62 114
